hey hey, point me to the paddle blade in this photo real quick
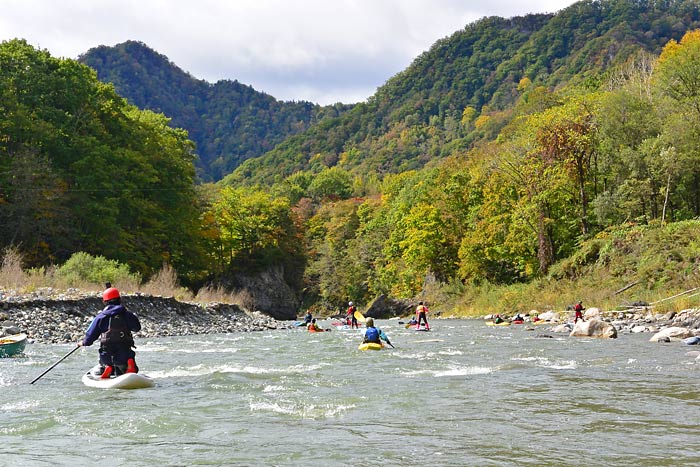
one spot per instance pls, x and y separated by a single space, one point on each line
359 316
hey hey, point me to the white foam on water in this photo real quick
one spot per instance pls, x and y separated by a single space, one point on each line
310 411
455 371
187 350
473 370
19 406
272 388
563 365
200 370
547 363
221 350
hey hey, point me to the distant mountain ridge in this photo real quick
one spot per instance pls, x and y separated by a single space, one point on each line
434 107
419 114
228 121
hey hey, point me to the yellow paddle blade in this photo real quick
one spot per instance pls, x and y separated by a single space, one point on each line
359 317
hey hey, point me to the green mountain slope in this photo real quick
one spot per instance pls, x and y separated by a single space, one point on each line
228 121
419 114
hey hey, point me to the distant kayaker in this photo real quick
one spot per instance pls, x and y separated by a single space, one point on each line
498 319
114 326
421 315
313 327
308 318
413 322
374 334
578 311
350 316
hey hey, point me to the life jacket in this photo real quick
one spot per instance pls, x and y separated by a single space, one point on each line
421 309
372 335
118 334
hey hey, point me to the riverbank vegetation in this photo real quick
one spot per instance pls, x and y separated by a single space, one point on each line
586 187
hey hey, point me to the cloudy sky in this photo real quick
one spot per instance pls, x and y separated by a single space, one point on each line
324 51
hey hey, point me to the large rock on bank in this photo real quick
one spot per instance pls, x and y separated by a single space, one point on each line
384 307
673 333
267 291
594 328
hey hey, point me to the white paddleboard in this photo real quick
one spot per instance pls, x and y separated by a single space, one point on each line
125 381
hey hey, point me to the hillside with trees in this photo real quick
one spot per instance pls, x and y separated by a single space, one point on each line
228 121
587 182
463 89
82 170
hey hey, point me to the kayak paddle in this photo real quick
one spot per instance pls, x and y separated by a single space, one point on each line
54 365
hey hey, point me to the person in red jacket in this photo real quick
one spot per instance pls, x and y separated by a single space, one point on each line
578 312
350 316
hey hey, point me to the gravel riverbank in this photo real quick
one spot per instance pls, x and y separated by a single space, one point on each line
62 316
50 316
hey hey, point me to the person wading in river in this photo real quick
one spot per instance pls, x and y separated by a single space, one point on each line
421 314
114 326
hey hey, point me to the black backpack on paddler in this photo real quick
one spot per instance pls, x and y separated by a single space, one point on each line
118 334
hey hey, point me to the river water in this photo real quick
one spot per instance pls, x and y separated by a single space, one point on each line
463 394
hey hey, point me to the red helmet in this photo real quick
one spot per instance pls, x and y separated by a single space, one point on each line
110 294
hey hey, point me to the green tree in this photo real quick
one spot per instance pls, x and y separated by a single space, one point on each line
331 183
253 228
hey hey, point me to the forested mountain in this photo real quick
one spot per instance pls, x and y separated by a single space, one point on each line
228 121
511 159
82 170
462 90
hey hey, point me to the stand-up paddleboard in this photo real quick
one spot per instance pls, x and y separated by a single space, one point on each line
370 346
125 381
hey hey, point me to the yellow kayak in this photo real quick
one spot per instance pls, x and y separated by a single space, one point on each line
370 346
491 323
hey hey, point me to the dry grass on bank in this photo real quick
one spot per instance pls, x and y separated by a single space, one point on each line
14 278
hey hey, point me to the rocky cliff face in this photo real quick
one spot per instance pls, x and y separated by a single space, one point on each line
384 307
267 292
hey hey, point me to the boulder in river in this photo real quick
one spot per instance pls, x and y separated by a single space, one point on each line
674 333
594 328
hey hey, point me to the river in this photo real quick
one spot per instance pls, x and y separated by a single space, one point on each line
463 394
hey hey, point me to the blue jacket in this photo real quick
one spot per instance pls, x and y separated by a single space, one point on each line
100 323
372 335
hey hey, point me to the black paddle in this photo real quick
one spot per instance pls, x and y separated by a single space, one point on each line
386 339
54 365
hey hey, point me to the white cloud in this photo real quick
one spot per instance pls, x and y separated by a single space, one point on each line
318 50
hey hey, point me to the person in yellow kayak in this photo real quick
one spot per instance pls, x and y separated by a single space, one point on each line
498 319
374 334
421 315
